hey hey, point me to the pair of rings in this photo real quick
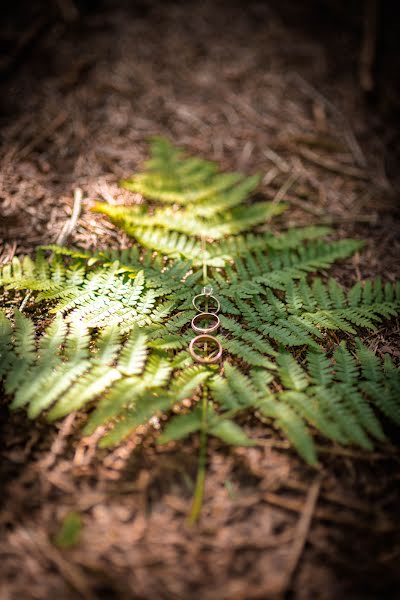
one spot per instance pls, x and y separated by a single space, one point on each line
205 337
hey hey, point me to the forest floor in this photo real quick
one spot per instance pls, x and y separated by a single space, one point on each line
238 86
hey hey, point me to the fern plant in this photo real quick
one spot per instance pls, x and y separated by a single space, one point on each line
64 369
341 396
117 346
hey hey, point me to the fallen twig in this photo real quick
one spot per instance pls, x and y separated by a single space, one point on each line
350 503
302 530
351 140
349 453
288 184
330 165
324 514
70 225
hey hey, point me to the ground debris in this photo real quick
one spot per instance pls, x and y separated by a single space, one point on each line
235 85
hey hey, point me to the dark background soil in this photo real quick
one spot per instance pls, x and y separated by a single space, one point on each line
272 87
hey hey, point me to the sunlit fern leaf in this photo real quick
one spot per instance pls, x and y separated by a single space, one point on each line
173 244
62 375
18 270
133 219
158 370
56 376
100 293
118 397
127 391
168 342
220 203
108 344
87 389
171 178
134 353
211 205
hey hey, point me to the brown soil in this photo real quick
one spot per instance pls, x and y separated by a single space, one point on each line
244 86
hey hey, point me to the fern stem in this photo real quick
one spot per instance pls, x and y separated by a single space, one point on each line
201 468
203 249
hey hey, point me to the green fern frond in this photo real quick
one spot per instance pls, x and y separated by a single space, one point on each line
187 382
58 374
5 344
291 373
276 269
24 352
117 348
206 204
181 426
172 179
339 393
133 355
146 406
229 432
134 219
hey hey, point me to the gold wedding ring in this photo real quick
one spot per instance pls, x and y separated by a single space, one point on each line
212 358
200 317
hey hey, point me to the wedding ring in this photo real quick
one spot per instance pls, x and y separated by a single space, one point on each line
209 329
212 358
199 309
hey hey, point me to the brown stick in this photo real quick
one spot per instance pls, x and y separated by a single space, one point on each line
350 503
281 193
351 140
324 514
302 531
70 225
330 165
